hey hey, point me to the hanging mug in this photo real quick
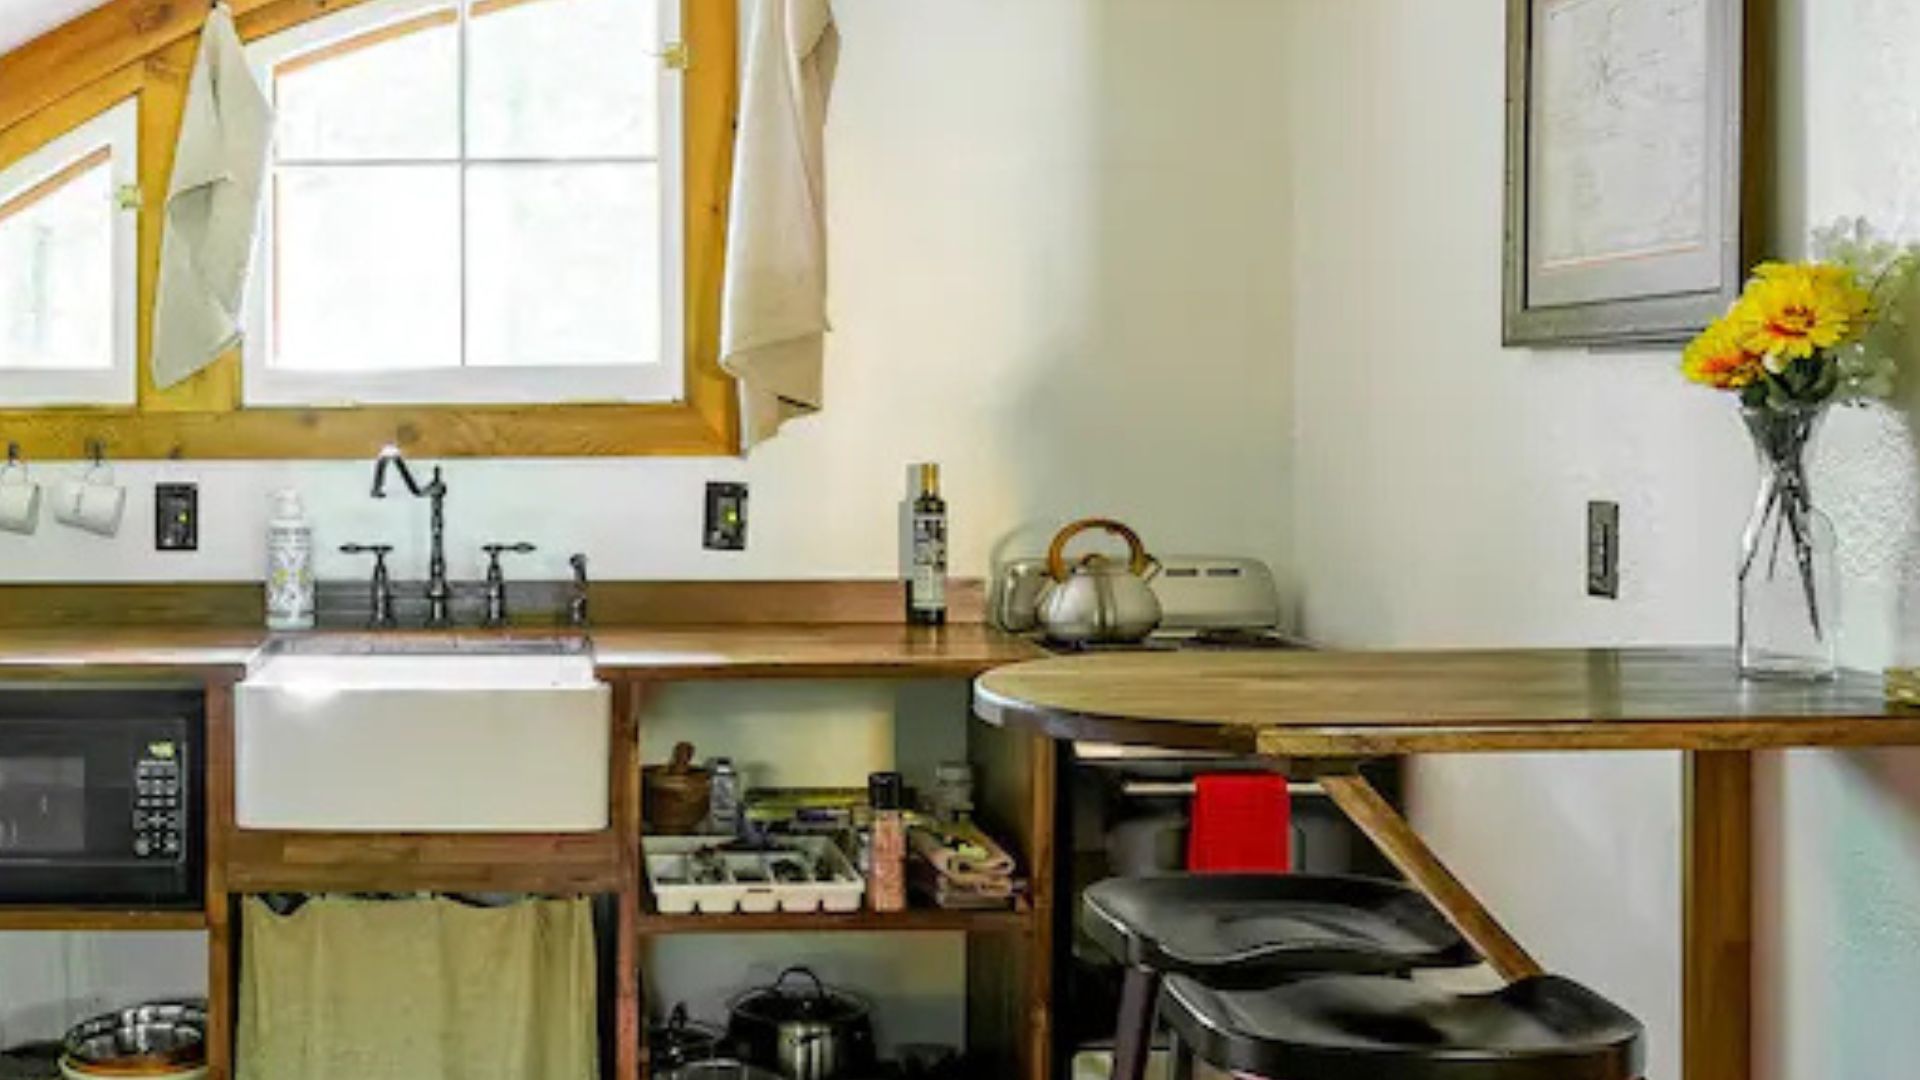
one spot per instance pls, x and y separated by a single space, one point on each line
19 498
93 502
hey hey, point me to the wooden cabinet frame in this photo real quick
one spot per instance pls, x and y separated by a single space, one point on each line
146 48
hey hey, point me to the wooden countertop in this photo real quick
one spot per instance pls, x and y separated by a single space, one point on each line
636 653
1359 704
189 653
773 651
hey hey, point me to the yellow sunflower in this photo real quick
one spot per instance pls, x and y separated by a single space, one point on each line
1720 358
1791 311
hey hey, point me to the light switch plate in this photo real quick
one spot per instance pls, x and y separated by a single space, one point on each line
726 524
176 517
1603 550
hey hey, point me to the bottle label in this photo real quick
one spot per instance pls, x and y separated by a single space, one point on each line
929 561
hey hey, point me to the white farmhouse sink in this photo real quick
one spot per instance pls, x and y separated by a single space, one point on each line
511 741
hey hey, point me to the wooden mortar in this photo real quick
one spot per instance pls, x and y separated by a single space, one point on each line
674 795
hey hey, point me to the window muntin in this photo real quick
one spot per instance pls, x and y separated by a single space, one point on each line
68 285
507 232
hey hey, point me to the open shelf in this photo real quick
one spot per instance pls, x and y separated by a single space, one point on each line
1017 920
89 919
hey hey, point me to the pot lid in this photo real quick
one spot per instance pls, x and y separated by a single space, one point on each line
798 994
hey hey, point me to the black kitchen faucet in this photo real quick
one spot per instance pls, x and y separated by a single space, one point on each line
439 593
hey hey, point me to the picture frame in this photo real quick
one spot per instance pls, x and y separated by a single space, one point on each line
1636 163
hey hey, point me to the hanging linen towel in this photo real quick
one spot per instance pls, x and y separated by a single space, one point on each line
412 989
213 206
774 313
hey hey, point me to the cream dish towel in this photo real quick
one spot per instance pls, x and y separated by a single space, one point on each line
418 990
213 206
774 317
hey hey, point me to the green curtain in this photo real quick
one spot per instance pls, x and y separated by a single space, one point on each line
346 989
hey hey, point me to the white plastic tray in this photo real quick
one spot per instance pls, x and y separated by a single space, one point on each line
750 885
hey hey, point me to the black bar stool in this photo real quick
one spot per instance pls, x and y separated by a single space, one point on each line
1242 931
1341 1027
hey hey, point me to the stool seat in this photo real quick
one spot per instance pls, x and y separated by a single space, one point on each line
1257 929
1343 1027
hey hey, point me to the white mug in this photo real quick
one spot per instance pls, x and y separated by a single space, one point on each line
93 502
19 500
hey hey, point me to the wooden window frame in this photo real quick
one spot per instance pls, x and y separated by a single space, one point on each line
146 48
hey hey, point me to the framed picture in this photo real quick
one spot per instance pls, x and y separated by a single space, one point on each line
1631 217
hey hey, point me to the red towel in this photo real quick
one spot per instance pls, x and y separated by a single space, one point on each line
1242 823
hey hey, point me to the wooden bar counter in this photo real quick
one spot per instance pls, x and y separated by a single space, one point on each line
1318 710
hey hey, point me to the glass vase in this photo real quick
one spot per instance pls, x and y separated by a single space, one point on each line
1789 579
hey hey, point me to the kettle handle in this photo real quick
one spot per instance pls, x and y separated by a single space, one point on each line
1139 562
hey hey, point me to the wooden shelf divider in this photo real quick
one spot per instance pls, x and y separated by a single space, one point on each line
100 919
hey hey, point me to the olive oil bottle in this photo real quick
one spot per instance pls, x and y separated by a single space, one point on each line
927 567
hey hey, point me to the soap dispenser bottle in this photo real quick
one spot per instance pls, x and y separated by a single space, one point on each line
290 592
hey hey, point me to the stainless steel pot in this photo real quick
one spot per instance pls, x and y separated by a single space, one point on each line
803 1030
1099 600
682 1040
149 1037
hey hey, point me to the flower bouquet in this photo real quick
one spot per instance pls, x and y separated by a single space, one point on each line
1801 337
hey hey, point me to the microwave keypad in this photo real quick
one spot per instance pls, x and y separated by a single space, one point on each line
158 809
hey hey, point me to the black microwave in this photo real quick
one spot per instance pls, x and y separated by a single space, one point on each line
102 797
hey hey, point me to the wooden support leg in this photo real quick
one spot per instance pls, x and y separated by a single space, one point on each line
1717 950
629 1023
221 977
1041 826
1403 847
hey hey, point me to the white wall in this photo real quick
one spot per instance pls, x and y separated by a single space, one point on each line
1441 482
23 20
49 982
1058 233
1841 923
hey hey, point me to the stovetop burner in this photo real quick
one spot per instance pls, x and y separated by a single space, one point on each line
1091 647
1225 638
1238 638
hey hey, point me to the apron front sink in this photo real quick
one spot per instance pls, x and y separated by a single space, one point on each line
370 740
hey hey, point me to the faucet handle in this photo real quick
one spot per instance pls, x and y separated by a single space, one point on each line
496 615
494 551
382 617
577 612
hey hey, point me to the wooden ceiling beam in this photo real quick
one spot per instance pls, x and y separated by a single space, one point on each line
79 53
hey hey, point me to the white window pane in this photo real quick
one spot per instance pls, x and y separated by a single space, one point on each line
389 93
563 265
56 270
563 78
367 270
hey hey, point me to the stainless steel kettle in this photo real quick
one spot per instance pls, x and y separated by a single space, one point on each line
1099 600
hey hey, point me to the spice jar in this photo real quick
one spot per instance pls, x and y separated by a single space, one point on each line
887 874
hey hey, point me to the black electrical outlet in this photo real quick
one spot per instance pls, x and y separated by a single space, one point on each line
1603 550
726 517
176 517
